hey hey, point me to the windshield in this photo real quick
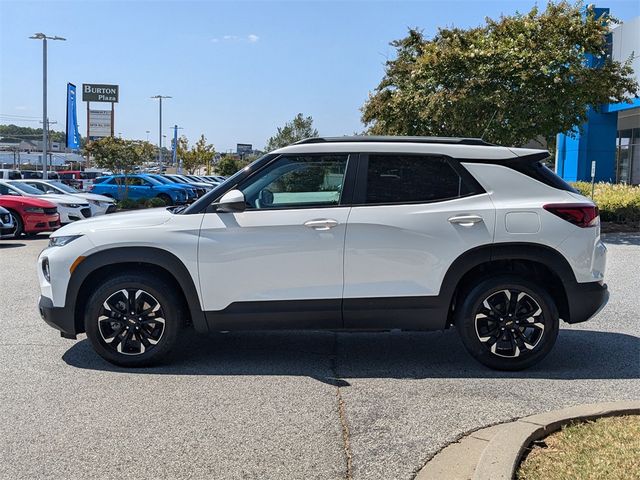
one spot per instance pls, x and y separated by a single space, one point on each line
160 179
61 186
23 187
177 179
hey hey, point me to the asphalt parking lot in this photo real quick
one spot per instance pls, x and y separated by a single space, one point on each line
317 405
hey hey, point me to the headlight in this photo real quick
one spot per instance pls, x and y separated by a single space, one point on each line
73 205
62 241
34 210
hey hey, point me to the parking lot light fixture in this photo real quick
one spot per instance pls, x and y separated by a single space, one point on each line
44 38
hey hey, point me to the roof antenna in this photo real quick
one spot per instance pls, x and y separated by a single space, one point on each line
489 124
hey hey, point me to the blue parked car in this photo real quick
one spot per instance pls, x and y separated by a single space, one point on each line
192 195
139 186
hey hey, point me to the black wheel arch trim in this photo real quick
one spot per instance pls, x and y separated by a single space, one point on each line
148 255
547 256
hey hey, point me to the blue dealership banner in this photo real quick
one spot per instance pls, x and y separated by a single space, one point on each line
73 136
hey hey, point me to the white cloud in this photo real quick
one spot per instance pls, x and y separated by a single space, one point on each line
251 38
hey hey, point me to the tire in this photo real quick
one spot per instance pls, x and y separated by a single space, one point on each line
119 341
166 199
19 225
510 334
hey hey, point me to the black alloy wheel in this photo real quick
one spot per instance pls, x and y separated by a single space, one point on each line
507 322
134 319
131 321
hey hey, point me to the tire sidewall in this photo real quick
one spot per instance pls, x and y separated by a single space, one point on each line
19 225
465 322
162 292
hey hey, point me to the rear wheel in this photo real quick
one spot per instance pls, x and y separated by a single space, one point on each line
507 323
18 225
133 320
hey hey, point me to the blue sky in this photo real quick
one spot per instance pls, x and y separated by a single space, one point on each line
236 70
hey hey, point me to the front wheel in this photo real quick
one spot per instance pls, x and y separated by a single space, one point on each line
133 320
18 226
507 323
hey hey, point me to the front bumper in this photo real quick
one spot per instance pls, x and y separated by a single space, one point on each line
57 317
586 300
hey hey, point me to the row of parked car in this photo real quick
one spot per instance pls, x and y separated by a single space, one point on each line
173 189
78 179
31 206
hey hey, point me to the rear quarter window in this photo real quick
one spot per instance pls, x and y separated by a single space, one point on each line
540 172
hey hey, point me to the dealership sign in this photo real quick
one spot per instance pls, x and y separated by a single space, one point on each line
99 123
92 92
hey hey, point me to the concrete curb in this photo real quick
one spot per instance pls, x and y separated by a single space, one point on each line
494 453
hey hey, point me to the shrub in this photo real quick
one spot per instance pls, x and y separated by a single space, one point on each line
155 202
127 204
617 202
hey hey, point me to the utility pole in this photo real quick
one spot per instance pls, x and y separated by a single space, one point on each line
44 38
175 148
48 148
160 97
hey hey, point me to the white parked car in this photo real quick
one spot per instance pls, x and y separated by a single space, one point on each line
99 204
70 208
348 233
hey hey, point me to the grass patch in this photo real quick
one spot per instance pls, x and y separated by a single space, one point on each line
604 449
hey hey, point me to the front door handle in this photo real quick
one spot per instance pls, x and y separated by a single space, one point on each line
465 220
321 224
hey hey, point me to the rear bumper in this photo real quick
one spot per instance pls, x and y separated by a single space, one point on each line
57 317
586 300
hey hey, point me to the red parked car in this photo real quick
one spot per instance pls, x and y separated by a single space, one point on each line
31 215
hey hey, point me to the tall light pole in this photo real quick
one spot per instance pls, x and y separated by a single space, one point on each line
44 38
160 97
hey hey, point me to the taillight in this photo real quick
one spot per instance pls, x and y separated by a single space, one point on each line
579 214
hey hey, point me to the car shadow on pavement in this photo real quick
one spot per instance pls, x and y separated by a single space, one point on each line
333 357
5 244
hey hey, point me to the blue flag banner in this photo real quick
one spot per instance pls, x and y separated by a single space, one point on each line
73 136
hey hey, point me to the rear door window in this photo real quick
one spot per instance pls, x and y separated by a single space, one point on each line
397 178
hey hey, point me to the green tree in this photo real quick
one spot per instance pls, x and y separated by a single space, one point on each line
228 165
297 129
197 156
119 155
514 79
35 134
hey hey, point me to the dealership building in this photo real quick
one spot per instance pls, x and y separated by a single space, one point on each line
611 135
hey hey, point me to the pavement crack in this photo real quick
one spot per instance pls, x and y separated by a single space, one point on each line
342 412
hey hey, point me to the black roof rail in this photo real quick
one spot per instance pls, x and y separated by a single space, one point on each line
397 139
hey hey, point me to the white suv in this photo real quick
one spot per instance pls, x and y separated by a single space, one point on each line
349 233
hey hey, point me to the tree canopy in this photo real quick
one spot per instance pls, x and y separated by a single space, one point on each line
299 128
119 155
510 81
195 157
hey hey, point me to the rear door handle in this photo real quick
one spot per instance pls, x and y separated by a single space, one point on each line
321 224
466 220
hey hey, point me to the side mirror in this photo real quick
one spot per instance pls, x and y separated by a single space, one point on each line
232 201
50 191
